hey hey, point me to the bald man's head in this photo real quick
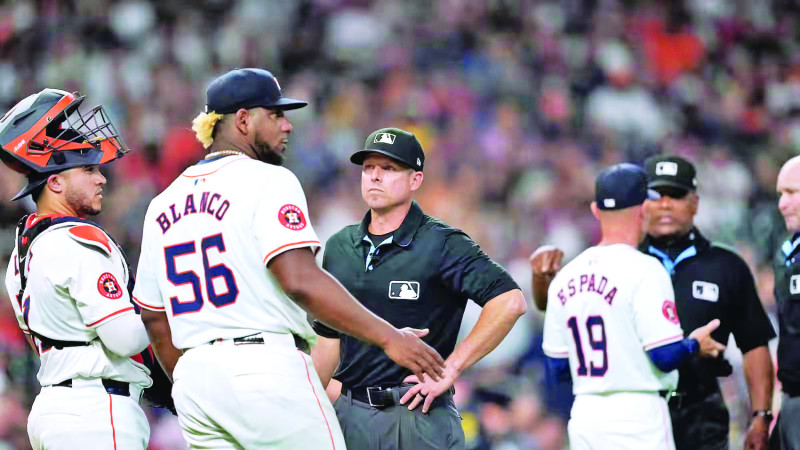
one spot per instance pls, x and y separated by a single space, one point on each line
788 188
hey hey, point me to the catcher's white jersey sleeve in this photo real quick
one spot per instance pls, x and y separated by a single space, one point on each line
77 281
206 242
605 309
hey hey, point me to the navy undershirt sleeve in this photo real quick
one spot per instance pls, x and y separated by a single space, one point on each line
668 357
558 369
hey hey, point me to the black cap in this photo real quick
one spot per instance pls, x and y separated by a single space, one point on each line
395 143
247 88
670 171
622 186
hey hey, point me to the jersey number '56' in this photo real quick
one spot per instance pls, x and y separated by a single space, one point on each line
191 277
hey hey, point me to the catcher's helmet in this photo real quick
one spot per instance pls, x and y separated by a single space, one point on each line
45 133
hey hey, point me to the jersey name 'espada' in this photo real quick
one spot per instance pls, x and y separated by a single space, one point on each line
588 283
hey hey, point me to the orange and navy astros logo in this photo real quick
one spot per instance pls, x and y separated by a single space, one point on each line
292 217
108 287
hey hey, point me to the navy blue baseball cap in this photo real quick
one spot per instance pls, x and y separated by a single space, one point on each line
247 88
622 186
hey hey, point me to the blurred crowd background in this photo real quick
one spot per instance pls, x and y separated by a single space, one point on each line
518 104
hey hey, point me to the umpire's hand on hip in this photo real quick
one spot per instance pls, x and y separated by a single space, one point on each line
708 346
428 389
407 349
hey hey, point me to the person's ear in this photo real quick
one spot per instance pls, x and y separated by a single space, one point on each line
242 120
416 180
694 201
595 210
56 183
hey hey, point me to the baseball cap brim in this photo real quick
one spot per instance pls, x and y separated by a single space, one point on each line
667 183
32 185
652 195
359 156
287 104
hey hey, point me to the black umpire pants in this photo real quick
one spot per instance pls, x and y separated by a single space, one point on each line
700 423
396 428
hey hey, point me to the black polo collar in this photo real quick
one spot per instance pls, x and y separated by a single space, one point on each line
790 247
401 236
676 246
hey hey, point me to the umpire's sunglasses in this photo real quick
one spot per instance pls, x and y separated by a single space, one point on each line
674 193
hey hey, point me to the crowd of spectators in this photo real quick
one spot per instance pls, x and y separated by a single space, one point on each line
518 103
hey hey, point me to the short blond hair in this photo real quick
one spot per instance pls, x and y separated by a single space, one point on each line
203 126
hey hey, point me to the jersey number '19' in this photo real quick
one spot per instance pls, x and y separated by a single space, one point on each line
209 273
596 344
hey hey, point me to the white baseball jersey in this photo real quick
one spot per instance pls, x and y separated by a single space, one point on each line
605 309
76 281
206 242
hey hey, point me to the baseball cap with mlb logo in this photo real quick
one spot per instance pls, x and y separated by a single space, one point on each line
670 172
622 186
395 143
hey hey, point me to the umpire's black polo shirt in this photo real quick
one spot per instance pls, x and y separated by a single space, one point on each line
787 295
420 277
711 282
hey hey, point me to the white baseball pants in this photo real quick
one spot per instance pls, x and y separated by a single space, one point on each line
85 416
623 420
253 396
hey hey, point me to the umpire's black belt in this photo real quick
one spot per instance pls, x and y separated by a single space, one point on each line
681 399
384 397
112 386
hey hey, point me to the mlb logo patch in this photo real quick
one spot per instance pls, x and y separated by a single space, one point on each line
404 290
667 168
794 285
384 138
703 290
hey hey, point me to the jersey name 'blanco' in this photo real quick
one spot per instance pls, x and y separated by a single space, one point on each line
206 242
73 287
605 309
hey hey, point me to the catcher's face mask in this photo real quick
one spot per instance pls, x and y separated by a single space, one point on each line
46 133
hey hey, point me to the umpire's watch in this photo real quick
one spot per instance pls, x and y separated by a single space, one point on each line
765 413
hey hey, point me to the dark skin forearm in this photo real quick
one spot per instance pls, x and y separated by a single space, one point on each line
545 263
539 286
158 330
319 293
322 295
759 374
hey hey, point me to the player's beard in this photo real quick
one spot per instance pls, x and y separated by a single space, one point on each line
268 155
80 204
